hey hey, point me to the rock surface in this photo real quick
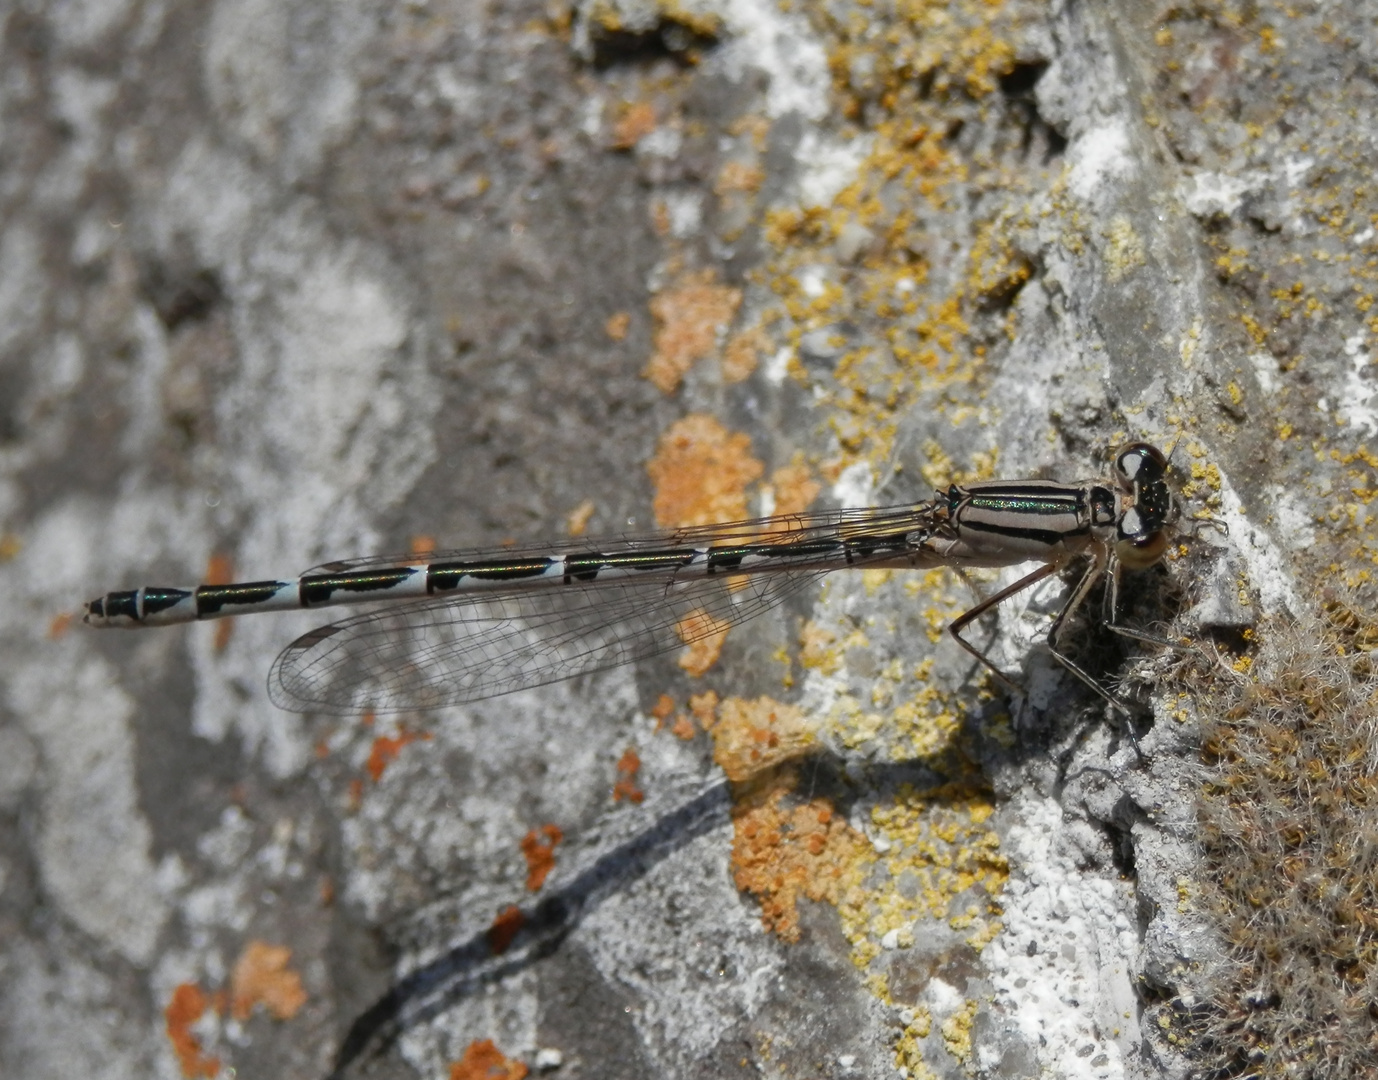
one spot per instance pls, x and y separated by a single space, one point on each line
284 282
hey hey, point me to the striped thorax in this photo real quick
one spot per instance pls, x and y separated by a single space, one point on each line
1004 522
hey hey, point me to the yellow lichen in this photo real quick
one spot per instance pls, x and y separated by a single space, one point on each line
956 1032
908 1051
1124 248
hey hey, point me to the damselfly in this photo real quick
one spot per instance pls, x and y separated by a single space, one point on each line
465 625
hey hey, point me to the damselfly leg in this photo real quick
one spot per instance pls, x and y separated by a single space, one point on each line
1128 528
1074 602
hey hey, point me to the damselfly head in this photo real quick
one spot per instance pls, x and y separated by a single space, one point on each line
1148 507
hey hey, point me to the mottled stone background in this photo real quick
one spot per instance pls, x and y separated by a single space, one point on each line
287 281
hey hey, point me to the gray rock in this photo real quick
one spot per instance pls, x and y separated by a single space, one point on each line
289 282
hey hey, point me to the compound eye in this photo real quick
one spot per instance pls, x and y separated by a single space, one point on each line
1141 552
1138 463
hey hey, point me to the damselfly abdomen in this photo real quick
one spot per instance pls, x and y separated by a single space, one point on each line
463 625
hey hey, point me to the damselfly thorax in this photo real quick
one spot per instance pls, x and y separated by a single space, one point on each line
459 626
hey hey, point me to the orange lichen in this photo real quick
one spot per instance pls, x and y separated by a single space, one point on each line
386 748
484 1061
625 787
636 122
750 736
10 546
794 487
662 710
683 728
224 630
700 472
504 928
660 218
781 852
422 544
188 1005
739 176
617 325
689 317
261 977
742 354
60 625
577 520
220 571
758 127
538 846
703 636
704 708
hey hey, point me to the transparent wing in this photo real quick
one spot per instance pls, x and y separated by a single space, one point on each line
434 652
789 528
